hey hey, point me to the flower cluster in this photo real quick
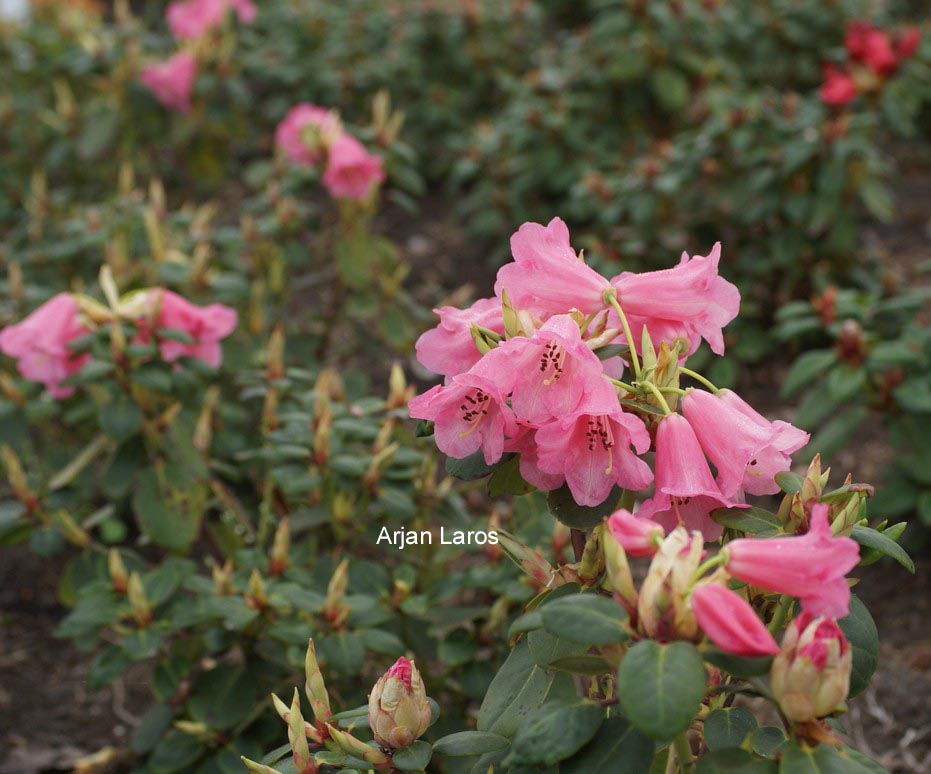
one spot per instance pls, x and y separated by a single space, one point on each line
42 342
873 56
172 81
314 136
536 371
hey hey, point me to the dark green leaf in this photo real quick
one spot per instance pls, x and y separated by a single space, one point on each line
469 743
590 619
733 761
222 697
576 516
415 757
554 732
860 631
806 369
728 728
866 536
752 520
617 747
738 666
768 741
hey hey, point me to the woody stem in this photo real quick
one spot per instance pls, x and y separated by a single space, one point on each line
634 360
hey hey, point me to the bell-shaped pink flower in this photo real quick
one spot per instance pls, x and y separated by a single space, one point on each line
730 623
788 437
206 325
291 133
637 536
448 349
351 171
547 275
193 19
550 371
40 344
172 81
747 454
525 445
469 413
690 301
812 567
592 448
686 492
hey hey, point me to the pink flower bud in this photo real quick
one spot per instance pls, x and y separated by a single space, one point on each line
811 567
810 678
351 171
662 607
172 81
730 622
638 537
838 88
399 711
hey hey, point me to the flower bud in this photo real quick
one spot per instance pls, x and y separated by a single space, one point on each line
638 536
399 391
141 609
279 561
335 608
810 678
300 750
314 687
664 611
592 564
356 747
119 578
256 595
618 578
398 709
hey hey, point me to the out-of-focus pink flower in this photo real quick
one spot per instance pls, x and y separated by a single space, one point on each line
747 454
690 301
810 678
172 81
303 120
470 413
448 349
525 445
547 275
855 39
730 622
686 492
637 536
351 171
908 42
549 372
206 325
40 344
838 88
592 448
193 19
812 567
879 56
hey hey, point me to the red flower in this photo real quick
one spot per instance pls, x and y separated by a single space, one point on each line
838 87
908 42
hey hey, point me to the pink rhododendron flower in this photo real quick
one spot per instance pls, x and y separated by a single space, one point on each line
351 171
746 453
193 19
592 448
838 87
548 373
686 492
172 81
206 325
855 39
448 349
40 344
811 567
637 536
730 623
548 275
291 134
690 301
908 42
525 444
878 53
470 413
788 438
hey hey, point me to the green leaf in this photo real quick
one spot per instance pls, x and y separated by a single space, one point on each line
823 759
519 687
576 516
469 743
590 619
120 418
508 480
414 757
342 651
728 728
753 520
175 752
805 369
768 741
109 664
661 687
222 697
473 467
153 726
670 87
866 536
554 732
527 622
860 631
830 438
738 666
617 747
169 504
789 482
732 761
585 664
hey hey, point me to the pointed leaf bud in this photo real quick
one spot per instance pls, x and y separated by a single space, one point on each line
619 579
592 564
279 560
119 578
141 609
256 596
335 608
399 711
300 751
314 687
257 768
529 560
663 605
355 747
